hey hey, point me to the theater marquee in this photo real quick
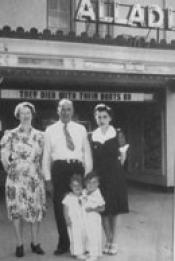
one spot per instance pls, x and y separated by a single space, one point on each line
76 95
151 16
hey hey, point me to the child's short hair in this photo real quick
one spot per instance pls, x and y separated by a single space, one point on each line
90 176
77 178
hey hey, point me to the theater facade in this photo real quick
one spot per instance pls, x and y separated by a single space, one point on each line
70 49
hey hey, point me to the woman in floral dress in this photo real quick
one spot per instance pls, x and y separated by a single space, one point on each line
21 155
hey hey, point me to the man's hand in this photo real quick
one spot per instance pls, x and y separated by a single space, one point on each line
68 222
49 188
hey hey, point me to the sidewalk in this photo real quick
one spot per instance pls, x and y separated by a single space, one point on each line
144 235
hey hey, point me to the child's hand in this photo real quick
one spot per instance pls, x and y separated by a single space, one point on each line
98 209
90 209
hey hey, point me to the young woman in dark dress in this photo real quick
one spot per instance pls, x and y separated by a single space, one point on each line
109 153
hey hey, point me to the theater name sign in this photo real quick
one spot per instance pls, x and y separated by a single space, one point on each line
151 16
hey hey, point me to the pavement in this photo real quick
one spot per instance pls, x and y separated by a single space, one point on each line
145 234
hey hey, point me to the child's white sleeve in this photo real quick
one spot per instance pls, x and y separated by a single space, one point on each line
66 200
101 201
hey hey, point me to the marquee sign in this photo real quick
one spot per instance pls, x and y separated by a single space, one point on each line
77 95
135 15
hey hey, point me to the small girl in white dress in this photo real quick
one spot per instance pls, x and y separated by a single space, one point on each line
74 215
93 203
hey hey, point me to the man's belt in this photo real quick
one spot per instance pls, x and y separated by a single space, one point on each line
69 161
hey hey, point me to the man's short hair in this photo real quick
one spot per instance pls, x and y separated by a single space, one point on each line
65 101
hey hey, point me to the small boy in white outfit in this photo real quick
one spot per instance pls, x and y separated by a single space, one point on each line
93 203
74 216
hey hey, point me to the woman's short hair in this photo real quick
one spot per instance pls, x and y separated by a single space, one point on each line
21 105
103 107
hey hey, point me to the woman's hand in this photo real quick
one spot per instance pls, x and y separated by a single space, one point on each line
6 165
123 153
122 158
49 188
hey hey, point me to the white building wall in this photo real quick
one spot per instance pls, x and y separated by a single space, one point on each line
170 3
33 13
26 13
170 137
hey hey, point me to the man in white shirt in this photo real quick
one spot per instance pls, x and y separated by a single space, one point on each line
67 151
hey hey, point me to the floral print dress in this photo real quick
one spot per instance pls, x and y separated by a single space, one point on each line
21 154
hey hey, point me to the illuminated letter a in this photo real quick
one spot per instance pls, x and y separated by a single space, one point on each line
136 15
85 10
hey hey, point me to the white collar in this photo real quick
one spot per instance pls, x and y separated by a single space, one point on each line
98 136
63 124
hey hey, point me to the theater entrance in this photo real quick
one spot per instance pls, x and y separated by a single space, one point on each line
138 114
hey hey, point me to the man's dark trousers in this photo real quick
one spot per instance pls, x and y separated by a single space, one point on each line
62 171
